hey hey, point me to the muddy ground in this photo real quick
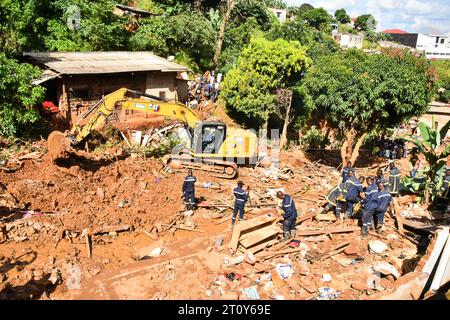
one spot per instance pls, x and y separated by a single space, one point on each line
45 208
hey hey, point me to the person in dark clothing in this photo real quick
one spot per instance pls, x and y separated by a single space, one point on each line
370 205
346 170
332 197
189 190
394 179
384 199
290 215
241 197
381 179
350 195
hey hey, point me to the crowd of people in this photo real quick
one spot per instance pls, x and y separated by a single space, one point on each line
204 88
392 149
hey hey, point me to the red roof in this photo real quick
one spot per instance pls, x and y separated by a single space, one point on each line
395 31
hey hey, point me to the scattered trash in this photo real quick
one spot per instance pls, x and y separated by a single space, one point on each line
232 276
233 261
156 252
326 293
158 180
28 214
294 243
377 246
284 270
188 213
357 260
252 293
206 185
279 297
386 269
250 258
326 277
266 277
208 293
219 241
123 204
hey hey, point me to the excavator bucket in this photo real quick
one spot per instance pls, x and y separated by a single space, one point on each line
57 144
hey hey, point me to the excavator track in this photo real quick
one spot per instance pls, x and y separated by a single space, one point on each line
218 168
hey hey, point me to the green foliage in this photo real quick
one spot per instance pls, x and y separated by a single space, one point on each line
278 4
319 43
245 9
346 28
18 96
442 69
342 16
432 146
263 67
368 92
365 22
314 138
189 32
318 19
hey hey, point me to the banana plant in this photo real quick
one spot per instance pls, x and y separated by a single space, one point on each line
432 146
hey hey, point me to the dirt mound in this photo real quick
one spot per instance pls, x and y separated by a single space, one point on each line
57 144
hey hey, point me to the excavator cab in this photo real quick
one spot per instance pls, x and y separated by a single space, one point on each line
208 137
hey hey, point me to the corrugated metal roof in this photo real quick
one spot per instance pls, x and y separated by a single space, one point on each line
103 62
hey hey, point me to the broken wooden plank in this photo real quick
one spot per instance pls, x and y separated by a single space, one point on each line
305 217
183 228
327 231
262 246
108 229
335 250
398 216
248 225
255 237
287 251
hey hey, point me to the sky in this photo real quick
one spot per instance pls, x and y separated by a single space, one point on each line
430 16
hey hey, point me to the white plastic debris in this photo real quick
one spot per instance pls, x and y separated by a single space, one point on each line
326 277
386 269
326 293
252 293
156 252
284 270
377 246
233 261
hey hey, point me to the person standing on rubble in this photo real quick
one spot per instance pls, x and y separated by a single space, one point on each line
290 215
384 199
370 205
350 195
380 178
189 190
332 197
241 197
346 170
394 179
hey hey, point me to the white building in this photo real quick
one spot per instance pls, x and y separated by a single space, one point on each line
435 46
280 13
349 40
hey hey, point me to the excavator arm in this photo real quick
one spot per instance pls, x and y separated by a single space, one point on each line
98 113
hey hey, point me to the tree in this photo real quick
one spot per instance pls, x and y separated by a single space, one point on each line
433 148
318 19
221 35
342 16
365 22
263 67
358 93
304 7
18 96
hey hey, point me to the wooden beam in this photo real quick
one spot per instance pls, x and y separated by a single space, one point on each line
255 237
262 246
327 231
398 216
247 225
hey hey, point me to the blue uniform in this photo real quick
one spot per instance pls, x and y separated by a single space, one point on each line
370 204
290 213
394 181
189 189
345 171
354 188
241 198
384 200
444 190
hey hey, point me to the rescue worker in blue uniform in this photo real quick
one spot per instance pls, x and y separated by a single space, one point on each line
394 179
444 190
381 179
346 170
370 205
241 197
332 197
189 190
351 191
384 199
290 215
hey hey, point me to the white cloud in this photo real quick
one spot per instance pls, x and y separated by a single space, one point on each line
431 16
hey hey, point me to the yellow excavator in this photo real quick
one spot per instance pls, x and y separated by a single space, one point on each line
212 146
